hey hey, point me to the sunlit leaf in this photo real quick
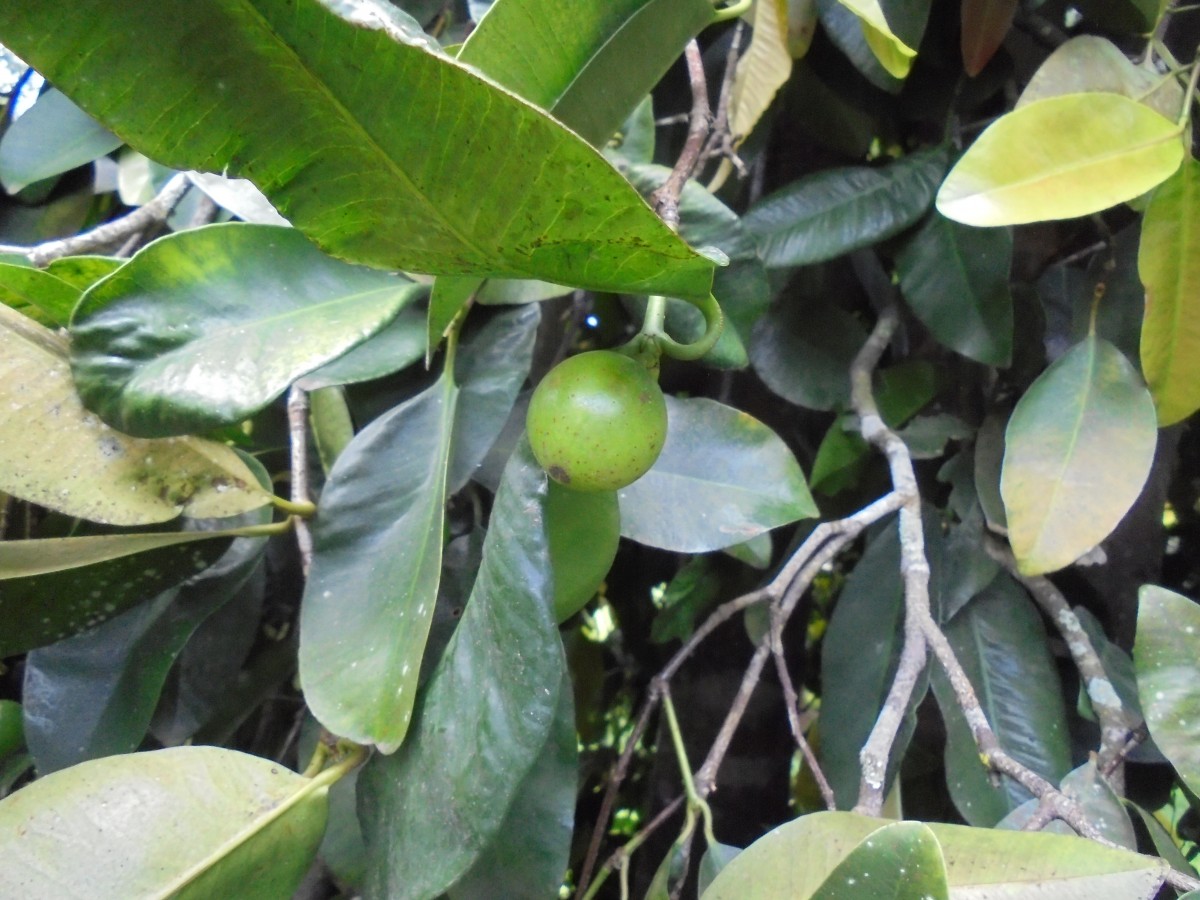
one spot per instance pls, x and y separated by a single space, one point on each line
1078 449
1169 266
55 453
166 346
207 822
1059 158
37 294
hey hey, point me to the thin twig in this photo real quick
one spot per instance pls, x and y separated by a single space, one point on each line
665 200
720 142
111 233
297 413
619 858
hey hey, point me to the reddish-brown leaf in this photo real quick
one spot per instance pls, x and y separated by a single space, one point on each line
984 25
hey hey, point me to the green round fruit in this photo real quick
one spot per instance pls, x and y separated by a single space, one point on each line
597 421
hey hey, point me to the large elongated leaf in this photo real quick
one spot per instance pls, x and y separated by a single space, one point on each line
54 136
1164 655
956 281
1061 157
191 822
1169 266
386 169
168 347
1001 642
763 69
795 858
377 542
430 810
1078 449
55 453
834 212
723 477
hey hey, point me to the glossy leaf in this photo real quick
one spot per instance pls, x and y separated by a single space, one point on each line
1078 449
449 295
584 530
207 822
1097 801
485 714
893 53
399 344
835 211
37 294
55 453
1164 655
763 68
267 95
82 272
377 549
723 477
166 347
955 280
795 858
904 856
1001 642
52 137
1059 158
1169 266
848 34
985 24
239 196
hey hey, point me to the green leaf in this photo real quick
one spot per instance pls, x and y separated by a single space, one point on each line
37 294
1169 266
594 60
397 345
449 295
833 212
377 550
893 54
584 530
52 137
1059 158
848 34
1001 642
12 731
207 822
985 24
795 858
56 454
83 271
762 70
1165 845
955 280
529 856
1078 449
485 714
1164 655
1097 801
723 477
904 859
165 346
267 94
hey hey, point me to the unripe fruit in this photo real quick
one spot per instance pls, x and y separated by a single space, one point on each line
597 421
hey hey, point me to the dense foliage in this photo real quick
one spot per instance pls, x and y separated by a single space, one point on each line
301 594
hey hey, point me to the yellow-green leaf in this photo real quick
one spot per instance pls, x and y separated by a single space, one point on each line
55 453
1059 158
764 68
802 21
893 54
1077 451
1169 266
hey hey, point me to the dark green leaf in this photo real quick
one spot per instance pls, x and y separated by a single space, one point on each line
52 137
431 809
1001 643
584 530
846 31
955 279
723 477
835 211
273 90
377 542
164 346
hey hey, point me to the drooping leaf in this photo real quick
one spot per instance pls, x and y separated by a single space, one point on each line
904 856
1078 449
207 822
1059 158
267 94
430 810
985 24
1001 642
893 53
848 34
55 453
377 550
165 346
37 294
52 137
833 212
723 477
956 281
1164 655
1169 266
795 858
763 69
